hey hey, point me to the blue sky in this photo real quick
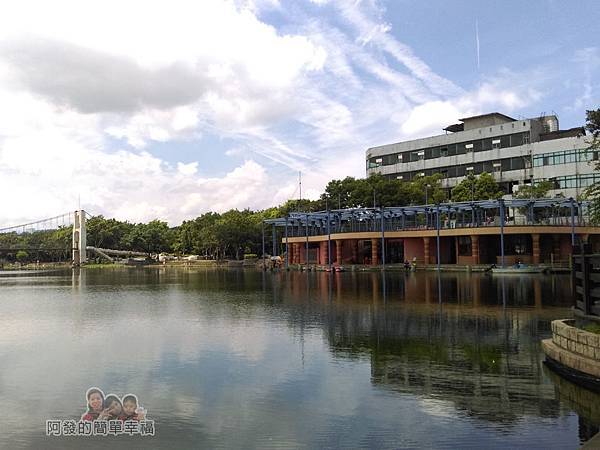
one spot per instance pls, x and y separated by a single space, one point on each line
171 109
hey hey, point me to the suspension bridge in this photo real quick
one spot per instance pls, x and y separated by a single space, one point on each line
72 240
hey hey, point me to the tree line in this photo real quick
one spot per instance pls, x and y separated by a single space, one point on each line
236 233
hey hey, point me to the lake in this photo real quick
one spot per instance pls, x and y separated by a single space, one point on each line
247 359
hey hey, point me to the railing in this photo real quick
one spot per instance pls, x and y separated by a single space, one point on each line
319 228
586 283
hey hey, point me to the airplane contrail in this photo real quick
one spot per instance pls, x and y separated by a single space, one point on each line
477 42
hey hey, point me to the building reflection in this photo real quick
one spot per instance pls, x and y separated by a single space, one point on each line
473 348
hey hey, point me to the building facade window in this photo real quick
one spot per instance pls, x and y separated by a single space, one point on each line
478 145
564 157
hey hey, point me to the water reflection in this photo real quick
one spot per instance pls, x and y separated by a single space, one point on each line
430 287
585 403
234 358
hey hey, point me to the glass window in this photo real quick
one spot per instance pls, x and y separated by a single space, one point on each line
517 163
435 152
559 158
538 161
526 137
570 156
464 245
586 180
486 144
391 159
516 139
505 164
460 148
477 146
444 151
505 141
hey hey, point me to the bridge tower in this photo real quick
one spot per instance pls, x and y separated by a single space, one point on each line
79 238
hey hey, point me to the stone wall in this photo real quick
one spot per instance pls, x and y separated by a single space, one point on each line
573 347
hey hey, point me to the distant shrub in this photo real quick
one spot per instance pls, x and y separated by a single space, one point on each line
250 256
22 256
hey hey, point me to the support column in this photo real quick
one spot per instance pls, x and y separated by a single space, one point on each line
338 251
475 249
354 251
291 253
301 254
426 250
374 247
79 238
324 254
535 248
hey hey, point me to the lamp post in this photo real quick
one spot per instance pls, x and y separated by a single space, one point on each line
427 186
472 178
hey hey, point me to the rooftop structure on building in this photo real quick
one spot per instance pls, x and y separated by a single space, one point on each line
516 152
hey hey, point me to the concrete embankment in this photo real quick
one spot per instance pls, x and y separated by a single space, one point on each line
575 349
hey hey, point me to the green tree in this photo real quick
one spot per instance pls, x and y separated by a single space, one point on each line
304 205
237 230
342 193
153 237
22 256
483 187
538 190
107 233
425 189
197 236
593 192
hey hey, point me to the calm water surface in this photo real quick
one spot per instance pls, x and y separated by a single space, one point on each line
245 359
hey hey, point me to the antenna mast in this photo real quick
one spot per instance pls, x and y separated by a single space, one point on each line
300 183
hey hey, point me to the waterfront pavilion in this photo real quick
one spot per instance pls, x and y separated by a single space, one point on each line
501 232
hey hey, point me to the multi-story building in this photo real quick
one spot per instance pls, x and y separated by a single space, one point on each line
515 152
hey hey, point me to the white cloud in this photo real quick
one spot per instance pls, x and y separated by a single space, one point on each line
187 169
428 116
310 98
206 62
